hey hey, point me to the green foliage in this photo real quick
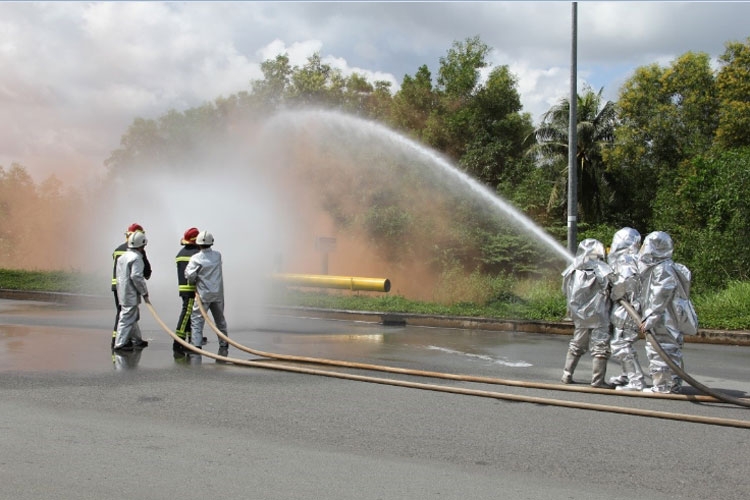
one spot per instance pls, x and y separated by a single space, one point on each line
726 309
707 212
36 218
665 156
414 103
49 281
666 116
277 75
601 232
733 84
539 300
459 69
388 227
493 130
594 131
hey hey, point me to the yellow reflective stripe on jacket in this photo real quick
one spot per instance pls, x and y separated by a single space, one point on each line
115 255
182 261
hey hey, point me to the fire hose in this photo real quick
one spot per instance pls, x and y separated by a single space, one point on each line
423 386
447 376
678 369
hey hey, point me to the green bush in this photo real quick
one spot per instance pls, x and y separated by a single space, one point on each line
727 309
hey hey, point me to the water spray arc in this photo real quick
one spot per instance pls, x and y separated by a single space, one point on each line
354 125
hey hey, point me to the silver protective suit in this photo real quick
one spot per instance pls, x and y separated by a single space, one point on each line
204 270
626 286
586 287
131 285
658 286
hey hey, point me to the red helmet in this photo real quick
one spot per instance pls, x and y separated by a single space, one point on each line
133 228
189 236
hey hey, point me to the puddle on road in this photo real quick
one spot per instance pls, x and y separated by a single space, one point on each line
45 348
46 337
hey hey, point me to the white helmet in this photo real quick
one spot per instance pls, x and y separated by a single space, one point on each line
137 240
204 239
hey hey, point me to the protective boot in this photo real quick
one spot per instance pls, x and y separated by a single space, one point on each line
676 387
599 372
571 361
193 358
662 383
223 351
634 372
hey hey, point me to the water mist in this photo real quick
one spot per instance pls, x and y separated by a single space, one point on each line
259 198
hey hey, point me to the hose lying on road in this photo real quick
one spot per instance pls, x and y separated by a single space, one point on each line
447 376
678 369
433 387
713 396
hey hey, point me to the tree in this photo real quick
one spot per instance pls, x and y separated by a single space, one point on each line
707 215
380 101
457 86
459 69
272 89
311 84
142 142
356 91
733 85
594 132
478 124
495 130
414 102
666 116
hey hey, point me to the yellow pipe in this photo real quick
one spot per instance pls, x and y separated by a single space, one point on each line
343 282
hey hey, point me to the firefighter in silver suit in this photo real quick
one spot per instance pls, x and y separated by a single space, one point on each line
586 285
658 287
121 249
204 270
131 286
623 259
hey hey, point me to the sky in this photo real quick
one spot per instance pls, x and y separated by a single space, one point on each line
74 75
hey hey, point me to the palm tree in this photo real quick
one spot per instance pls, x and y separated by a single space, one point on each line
594 130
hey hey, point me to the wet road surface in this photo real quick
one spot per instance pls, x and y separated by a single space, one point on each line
47 337
78 422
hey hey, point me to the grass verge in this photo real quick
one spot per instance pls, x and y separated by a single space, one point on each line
728 309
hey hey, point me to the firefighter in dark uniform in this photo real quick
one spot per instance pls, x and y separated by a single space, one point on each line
116 255
186 290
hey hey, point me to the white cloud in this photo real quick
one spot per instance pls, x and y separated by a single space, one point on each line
298 52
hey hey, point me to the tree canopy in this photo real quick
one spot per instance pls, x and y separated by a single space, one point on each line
670 153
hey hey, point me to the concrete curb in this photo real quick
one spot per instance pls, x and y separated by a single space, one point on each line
704 336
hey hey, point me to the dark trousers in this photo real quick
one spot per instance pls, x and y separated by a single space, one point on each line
183 324
118 309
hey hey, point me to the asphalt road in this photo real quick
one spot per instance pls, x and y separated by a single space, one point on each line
78 423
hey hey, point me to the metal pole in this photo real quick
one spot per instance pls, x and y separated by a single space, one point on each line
572 139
